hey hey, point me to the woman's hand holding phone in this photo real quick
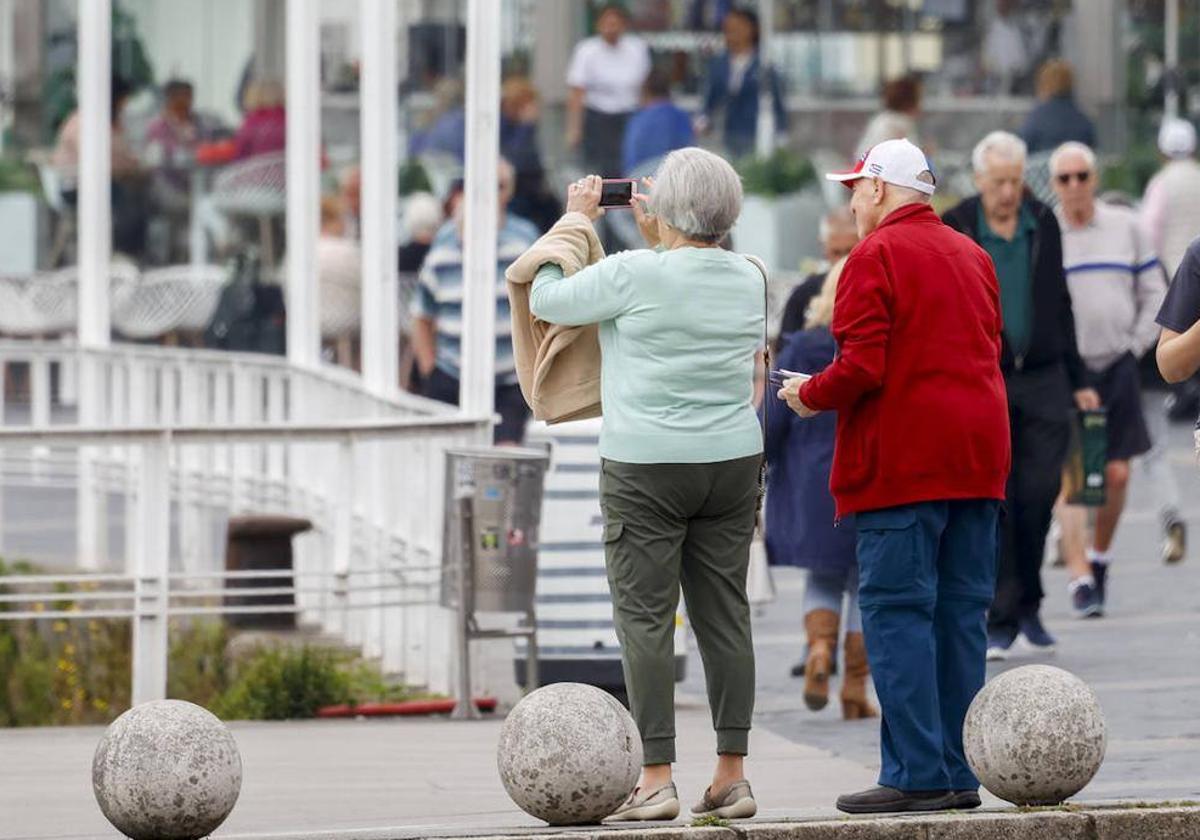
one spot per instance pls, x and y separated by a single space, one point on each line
647 222
583 196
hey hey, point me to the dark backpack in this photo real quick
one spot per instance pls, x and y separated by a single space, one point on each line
250 315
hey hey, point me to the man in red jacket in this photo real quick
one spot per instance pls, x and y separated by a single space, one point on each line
921 459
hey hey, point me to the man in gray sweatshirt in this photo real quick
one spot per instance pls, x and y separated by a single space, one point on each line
1117 285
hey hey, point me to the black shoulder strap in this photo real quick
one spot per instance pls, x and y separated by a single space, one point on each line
766 346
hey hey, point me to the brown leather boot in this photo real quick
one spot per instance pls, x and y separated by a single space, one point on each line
855 704
822 629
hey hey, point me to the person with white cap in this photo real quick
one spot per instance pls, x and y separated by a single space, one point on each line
1170 214
921 459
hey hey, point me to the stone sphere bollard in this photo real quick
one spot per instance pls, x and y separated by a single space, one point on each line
569 754
1035 735
167 770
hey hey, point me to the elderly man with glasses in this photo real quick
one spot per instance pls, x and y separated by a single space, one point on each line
1042 370
1117 285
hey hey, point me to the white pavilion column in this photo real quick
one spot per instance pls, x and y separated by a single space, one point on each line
378 114
477 387
303 180
764 139
95 145
94 255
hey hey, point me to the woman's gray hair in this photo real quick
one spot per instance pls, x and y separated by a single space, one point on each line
697 193
1004 145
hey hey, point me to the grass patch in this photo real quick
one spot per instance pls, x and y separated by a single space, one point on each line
709 821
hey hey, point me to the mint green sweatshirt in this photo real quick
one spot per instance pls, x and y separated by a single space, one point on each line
678 335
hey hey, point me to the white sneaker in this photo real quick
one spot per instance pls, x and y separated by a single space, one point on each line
662 804
736 802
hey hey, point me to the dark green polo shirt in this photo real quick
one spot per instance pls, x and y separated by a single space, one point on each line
1013 269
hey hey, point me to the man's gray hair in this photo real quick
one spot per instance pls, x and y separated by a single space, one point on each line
422 214
837 217
697 193
1069 148
1003 145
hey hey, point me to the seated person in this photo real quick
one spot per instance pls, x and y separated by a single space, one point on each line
264 129
659 127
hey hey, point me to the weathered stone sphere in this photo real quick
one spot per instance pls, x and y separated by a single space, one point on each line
167 770
569 754
1035 735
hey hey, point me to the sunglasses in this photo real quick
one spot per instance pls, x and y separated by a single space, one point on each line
1064 178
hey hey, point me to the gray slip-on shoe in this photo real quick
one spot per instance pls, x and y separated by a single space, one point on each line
736 802
662 804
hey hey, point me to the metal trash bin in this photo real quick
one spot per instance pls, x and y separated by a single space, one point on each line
493 509
261 543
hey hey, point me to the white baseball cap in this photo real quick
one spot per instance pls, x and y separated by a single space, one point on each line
1177 138
897 162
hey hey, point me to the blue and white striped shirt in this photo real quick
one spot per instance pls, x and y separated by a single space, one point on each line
1117 285
439 295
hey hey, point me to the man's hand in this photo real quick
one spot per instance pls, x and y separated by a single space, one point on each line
647 222
790 392
583 196
1087 399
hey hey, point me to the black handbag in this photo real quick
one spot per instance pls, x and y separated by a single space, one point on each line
250 315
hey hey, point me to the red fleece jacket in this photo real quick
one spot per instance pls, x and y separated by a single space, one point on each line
922 410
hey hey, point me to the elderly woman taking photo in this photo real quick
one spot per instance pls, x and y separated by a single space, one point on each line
680 326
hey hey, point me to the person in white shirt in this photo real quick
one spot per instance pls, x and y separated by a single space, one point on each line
1117 285
1170 215
605 79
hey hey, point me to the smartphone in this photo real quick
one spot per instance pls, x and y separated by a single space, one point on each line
616 194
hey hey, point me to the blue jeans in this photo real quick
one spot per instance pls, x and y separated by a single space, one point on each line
824 591
927 573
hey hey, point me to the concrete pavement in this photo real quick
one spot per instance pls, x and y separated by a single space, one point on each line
437 778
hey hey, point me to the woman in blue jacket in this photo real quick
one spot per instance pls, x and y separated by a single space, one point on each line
732 85
800 519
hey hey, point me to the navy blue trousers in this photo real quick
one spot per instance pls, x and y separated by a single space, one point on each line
927 573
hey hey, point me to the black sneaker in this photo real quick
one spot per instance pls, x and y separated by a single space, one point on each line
886 800
964 800
1100 574
1085 600
1035 633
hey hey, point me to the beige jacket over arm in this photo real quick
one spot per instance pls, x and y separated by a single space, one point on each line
558 366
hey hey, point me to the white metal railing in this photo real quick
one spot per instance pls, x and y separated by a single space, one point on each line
184 439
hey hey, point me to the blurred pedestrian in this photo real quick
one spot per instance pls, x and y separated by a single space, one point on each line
1171 206
171 140
682 450
659 127
339 281
1056 119
1117 286
264 128
520 111
437 314
839 235
898 119
921 460
801 524
733 86
605 80
446 130
128 199
1042 371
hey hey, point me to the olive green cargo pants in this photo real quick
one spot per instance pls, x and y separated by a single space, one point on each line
668 525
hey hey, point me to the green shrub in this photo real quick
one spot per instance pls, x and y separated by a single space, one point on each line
60 672
277 683
782 173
